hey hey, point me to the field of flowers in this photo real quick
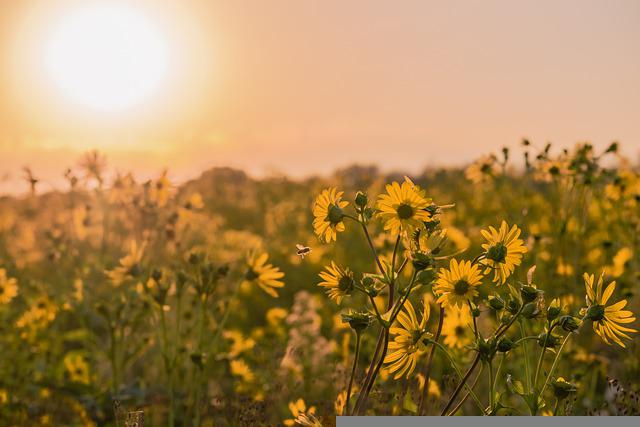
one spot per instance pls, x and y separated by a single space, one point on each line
508 287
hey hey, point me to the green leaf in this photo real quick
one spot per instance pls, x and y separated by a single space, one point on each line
515 386
409 404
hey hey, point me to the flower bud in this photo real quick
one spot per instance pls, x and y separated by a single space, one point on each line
421 261
425 277
496 303
547 340
513 306
562 388
361 199
568 323
505 345
358 321
530 310
529 293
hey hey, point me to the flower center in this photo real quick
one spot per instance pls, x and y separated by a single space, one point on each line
404 211
251 274
335 214
345 284
461 287
497 252
459 331
596 312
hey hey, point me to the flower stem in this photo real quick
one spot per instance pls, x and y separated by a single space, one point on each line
353 371
427 368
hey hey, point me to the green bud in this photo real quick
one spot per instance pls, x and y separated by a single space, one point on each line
529 293
530 310
361 199
505 345
562 389
547 340
426 277
156 275
421 261
553 312
568 323
358 321
496 303
513 306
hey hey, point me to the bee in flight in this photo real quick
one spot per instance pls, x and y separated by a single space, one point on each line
302 250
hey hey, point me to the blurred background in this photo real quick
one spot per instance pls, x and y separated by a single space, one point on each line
304 87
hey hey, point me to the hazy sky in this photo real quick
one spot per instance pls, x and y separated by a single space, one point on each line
306 86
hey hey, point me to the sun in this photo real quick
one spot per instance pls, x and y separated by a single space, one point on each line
106 57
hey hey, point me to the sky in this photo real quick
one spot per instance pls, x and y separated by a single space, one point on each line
302 87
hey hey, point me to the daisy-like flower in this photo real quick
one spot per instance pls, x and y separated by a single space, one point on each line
503 251
607 320
8 287
129 267
407 345
264 275
297 409
403 207
77 368
328 214
338 282
457 285
483 169
455 327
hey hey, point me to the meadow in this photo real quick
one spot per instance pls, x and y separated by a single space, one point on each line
505 287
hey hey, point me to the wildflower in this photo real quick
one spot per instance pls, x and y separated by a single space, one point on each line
455 327
77 368
606 320
8 287
408 344
298 408
160 190
275 315
239 368
458 284
338 281
264 275
403 208
562 388
620 260
238 343
328 212
483 169
503 251
39 315
129 267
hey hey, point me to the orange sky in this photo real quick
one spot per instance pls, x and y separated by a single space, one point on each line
306 86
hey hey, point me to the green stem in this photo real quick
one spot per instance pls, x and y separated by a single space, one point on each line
491 385
427 371
544 348
353 372
526 358
555 362
466 396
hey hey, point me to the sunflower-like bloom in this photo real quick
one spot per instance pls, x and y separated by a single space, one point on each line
338 282
455 328
503 251
298 409
129 267
457 285
606 320
407 345
264 275
328 212
403 207
8 287
77 368
482 170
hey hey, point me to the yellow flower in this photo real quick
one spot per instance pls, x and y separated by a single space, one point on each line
240 369
620 260
8 287
606 320
238 343
328 212
38 315
457 285
159 190
129 267
339 282
403 208
77 368
275 315
483 169
455 328
503 251
407 345
298 408
264 275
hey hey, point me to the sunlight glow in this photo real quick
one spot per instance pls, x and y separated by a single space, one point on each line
108 57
